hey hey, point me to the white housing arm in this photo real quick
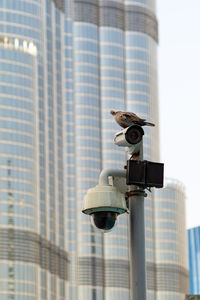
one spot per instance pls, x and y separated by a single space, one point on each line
105 174
105 197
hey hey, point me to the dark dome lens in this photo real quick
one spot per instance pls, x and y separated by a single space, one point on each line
104 220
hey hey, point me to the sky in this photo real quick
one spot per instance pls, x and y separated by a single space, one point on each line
179 97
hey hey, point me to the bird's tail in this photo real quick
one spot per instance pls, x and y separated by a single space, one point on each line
149 124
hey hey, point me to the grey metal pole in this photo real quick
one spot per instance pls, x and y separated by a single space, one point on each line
137 241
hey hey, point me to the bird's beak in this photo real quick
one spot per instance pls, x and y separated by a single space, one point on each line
113 112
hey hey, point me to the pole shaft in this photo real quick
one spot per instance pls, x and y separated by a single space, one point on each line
137 244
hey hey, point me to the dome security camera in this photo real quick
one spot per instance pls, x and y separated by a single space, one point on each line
104 204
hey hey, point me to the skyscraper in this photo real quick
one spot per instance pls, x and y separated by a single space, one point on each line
171 242
33 256
194 263
192 297
114 67
63 66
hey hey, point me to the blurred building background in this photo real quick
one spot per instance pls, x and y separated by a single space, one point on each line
171 241
194 259
192 297
63 66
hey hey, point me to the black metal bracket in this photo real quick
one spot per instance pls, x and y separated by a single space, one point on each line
144 174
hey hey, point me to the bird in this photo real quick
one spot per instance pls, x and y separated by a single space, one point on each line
126 119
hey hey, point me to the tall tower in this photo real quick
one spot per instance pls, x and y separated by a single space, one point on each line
171 242
63 65
114 65
33 256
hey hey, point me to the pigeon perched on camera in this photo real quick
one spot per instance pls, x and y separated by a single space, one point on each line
126 119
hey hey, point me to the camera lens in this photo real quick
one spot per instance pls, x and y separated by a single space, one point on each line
134 134
104 221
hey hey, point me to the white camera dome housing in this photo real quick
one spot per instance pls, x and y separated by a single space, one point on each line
104 203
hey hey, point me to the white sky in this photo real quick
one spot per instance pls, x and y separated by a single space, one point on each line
179 95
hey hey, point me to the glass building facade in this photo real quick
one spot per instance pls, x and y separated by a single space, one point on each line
171 242
114 67
63 65
194 261
33 256
192 297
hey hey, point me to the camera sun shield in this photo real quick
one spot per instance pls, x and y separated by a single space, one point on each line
154 174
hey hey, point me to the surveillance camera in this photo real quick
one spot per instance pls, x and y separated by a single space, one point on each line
130 138
104 220
104 204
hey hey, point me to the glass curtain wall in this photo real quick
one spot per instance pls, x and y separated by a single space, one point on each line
141 98
31 100
194 249
86 64
171 242
113 97
87 155
18 187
